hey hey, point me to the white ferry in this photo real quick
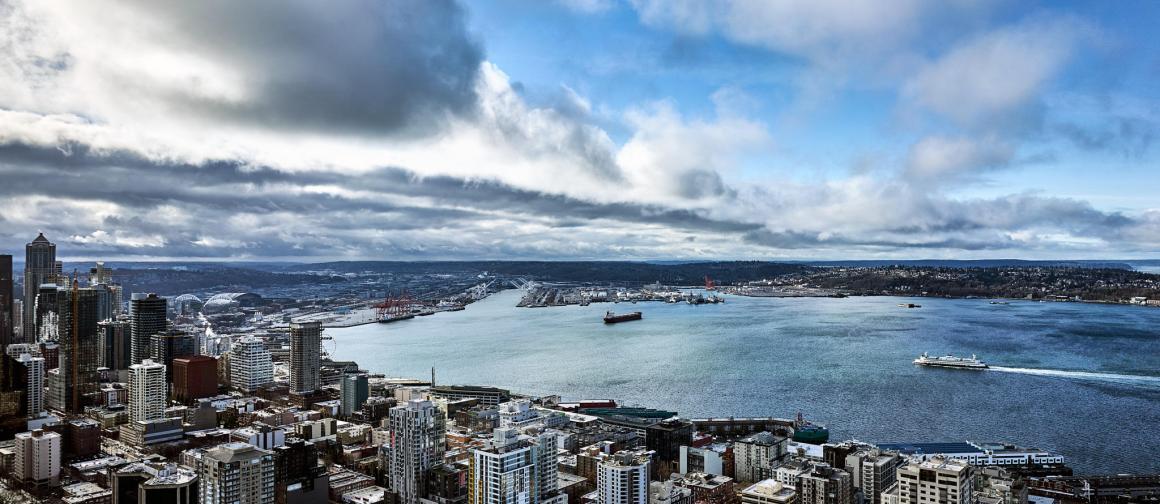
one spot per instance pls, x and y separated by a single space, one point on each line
951 361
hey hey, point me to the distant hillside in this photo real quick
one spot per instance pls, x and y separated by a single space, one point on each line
578 271
978 263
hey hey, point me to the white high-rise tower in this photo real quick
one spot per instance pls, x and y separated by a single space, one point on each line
251 366
417 442
35 367
515 469
623 479
147 387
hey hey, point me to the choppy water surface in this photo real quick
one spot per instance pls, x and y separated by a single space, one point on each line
1079 379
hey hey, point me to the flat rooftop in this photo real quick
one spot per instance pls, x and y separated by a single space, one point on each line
930 448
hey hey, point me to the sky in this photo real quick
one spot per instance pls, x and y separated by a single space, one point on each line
580 129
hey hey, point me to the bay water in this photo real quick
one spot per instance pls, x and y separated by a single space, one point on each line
1082 380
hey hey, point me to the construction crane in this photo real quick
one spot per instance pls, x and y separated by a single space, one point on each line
394 306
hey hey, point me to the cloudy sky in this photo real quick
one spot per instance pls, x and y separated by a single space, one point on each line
582 129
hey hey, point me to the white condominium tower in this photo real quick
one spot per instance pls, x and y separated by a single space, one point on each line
416 444
35 367
37 457
305 356
936 481
147 391
251 366
623 479
514 469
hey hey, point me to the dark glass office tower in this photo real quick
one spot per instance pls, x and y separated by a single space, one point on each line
7 318
40 266
78 335
148 318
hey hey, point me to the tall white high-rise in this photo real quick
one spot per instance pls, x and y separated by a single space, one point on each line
623 479
35 367
416 444
305 356
251 366
37 457
514 469
147 388
936 481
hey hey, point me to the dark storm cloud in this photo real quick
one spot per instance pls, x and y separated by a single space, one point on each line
228 208
127 179
352 65
215 192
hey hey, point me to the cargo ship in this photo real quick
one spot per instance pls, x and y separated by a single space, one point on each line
805 431
951 361
389 317
612 318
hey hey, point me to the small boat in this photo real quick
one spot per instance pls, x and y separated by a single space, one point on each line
612 318
909 305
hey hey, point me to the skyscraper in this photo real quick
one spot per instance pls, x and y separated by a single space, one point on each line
13 395
355 391
171 344
116 343
251 366
35 368
514 469
417 443
623 479
305 354
7 315
147 386
78 334
45 312
148 318
236 473
40 266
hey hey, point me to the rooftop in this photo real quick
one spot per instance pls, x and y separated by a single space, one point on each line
235 452
769 488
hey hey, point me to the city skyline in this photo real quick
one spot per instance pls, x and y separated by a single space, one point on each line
579 129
